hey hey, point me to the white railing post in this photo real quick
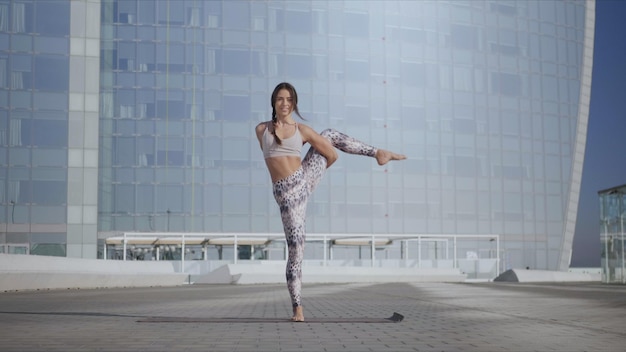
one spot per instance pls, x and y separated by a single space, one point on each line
182 253
419 251
373 249
330 251
325 250
607 277
498 254
406 251
622 249
235 254
454 261
124 246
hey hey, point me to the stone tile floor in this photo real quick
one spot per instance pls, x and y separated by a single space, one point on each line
437 317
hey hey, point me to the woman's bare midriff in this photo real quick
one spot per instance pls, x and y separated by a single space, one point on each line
282 166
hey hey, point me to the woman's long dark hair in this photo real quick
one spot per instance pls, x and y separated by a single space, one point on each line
294 102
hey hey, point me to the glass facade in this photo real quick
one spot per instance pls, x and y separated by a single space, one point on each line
484 98
49 86
612 216
34 91
488 99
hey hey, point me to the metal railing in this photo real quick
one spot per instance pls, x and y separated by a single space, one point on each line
437 246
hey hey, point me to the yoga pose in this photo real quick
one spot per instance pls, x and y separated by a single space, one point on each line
294 180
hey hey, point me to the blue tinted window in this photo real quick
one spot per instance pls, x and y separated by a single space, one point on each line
506 83
49 133
22 17
171 12
464 37
47 215
51 45
236 15
172 109
236 62
299 66
52 18
124 151
357 70
295 21
413 74
356 24
146 13
124 199
49 192
238 108
170 158
50 101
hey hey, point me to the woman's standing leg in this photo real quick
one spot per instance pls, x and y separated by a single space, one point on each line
294 215
291 195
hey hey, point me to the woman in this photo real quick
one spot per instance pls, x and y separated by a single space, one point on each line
281 141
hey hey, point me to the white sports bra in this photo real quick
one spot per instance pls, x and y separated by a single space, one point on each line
291 146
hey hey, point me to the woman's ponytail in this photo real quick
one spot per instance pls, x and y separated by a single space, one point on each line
274 123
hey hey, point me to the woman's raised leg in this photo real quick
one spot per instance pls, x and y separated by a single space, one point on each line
351 145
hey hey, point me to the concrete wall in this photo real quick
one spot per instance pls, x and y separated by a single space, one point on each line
533 276
32 272
273 272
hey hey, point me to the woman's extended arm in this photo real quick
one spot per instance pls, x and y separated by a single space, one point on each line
260 129
321 144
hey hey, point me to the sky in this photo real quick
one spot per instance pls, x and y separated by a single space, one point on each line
605 153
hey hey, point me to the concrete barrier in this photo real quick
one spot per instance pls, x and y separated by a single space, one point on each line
524 275
274 272
32 272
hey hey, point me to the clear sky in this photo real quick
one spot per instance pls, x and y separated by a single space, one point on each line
605 156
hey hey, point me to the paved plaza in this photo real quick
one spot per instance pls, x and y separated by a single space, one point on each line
344 317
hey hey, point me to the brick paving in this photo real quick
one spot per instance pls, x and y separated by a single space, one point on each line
438 317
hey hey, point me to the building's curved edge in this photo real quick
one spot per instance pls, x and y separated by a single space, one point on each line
581 137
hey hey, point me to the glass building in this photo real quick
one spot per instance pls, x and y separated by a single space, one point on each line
612 216
49 127
488 99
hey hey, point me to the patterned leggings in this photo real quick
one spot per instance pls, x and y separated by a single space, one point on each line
292 194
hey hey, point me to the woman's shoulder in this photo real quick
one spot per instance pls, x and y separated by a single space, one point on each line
302 127
306 132
262 126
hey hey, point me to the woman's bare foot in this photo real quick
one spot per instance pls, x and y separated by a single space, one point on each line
384 156
297 314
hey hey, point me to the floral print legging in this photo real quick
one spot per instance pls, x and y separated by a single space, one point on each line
292 194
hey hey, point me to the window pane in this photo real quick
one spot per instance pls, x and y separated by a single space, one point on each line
51 73
52 18
49 133
47 215
49 192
